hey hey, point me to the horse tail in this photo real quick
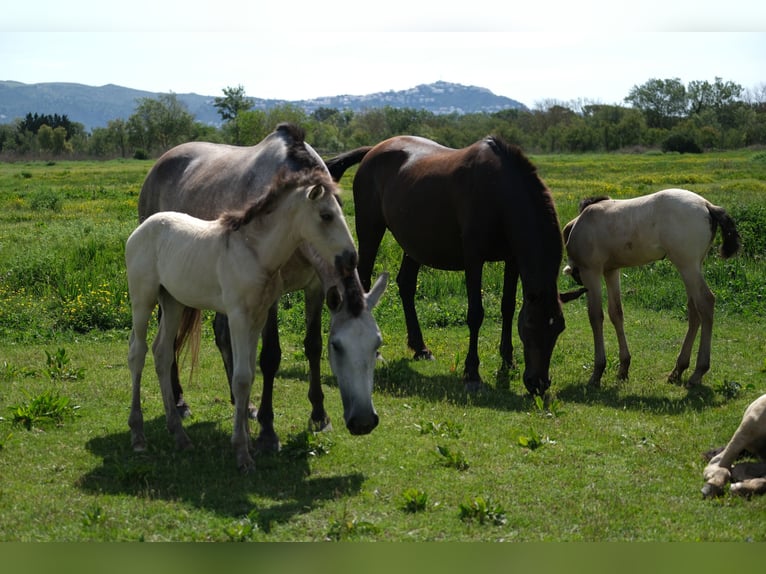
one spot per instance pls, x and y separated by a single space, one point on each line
731 241
189 333
338 165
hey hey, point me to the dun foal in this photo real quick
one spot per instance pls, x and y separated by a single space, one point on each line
610 234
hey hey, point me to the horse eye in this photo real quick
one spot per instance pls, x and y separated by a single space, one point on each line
327 217
337 347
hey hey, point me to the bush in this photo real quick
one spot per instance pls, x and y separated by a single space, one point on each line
680 143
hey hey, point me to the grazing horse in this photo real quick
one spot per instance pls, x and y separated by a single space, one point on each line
204 179
232 265
610 234
746 478
456 209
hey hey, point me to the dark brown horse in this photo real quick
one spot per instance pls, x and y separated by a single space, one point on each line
455 209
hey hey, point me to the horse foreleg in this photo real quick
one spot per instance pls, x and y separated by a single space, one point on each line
244 338
616 316
223 342
507 309
312 345
164 353
407 280
271 356
592 282
475 318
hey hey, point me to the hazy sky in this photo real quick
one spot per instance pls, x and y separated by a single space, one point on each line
593 50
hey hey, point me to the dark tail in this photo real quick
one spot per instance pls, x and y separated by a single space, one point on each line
338 165
189 333
731 241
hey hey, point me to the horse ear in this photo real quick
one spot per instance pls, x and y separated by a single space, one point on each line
316 192
572 295
334 299
377 290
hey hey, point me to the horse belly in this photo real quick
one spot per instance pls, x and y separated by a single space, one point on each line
437 247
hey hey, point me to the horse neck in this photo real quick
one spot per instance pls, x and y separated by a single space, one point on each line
272 239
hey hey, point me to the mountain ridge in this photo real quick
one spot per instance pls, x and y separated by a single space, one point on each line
95 106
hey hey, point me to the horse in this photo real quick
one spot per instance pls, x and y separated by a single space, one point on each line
455 209
232 265
609 234
204 179
747 478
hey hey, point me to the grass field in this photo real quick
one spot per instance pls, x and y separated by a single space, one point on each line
621 463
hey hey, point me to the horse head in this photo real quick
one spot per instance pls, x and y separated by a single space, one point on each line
353 348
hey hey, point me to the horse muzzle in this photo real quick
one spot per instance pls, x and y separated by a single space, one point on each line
359 425
537 385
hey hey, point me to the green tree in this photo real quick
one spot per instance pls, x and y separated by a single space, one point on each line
663 102
230 106
159 124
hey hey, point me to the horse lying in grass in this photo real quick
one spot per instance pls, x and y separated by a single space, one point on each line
232 265
206 179
610 234
747 478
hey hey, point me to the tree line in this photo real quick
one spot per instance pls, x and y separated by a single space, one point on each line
658 114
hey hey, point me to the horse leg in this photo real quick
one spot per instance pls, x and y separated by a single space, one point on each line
164 352
475 318
614 306
178 393
407 280
244 338
592 282
370 229
136 359
223 342
507 309
312 345
271 356
701 304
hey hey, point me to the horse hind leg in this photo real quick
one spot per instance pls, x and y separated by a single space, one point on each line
164 355
700 303
136 360
271 354
617 317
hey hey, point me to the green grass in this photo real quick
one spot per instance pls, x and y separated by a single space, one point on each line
619 463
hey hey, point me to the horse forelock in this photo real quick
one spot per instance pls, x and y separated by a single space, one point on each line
282 183
354 294
299 154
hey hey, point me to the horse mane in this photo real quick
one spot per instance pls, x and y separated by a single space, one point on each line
266 203
298 154
591 200
517 160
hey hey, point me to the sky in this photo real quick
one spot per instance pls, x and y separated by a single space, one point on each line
593 51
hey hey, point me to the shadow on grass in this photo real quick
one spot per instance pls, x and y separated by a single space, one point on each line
400 378
206 476
698 398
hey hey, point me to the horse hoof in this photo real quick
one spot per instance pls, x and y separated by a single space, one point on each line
473 386
711 491
267 444
183 409
322 425
252 412
424 355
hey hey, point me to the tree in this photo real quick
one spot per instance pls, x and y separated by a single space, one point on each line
230 106
157 125
663 102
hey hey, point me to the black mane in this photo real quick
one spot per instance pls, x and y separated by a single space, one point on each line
591 200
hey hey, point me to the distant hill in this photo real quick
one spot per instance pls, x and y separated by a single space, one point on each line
95 106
